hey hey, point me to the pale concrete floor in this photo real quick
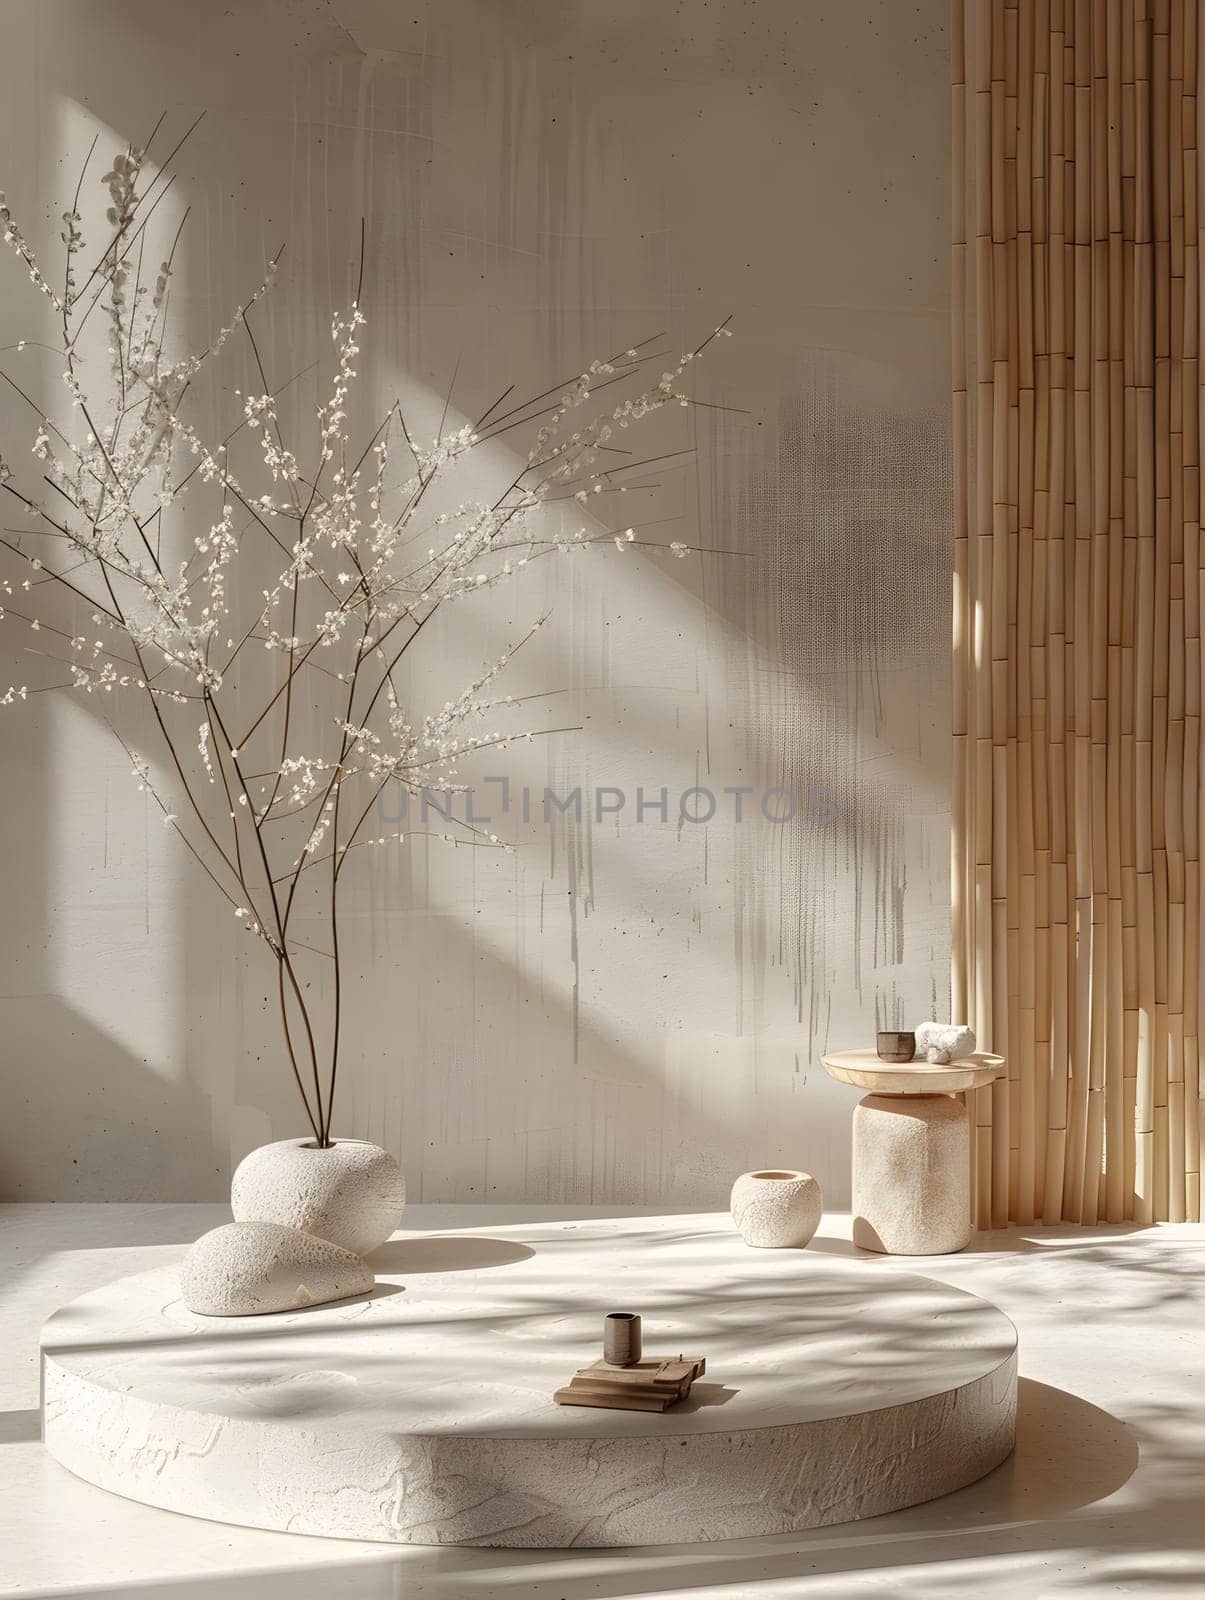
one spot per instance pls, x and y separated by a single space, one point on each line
1103 1496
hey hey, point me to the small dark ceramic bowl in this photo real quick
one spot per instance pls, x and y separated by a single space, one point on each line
897 1047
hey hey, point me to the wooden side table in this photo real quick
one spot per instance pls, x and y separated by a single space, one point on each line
912 1150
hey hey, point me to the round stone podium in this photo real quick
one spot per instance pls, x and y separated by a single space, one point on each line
422 1413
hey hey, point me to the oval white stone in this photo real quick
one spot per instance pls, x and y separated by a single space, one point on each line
246 1268
352 1193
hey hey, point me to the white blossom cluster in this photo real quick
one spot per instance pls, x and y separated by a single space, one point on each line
262 614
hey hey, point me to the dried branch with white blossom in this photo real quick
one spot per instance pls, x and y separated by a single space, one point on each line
154 541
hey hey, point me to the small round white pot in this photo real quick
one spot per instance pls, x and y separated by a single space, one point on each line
351 1193
776 1210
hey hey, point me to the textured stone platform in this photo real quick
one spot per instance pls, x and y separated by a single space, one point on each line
424 1414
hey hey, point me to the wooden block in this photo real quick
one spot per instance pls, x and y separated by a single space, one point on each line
654 1384
671 1370
646 1391
612 1399
658 1398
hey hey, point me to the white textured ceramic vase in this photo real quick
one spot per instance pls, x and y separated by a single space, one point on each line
351 1193
776 1209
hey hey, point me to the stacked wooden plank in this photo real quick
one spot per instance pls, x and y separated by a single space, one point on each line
650 1385
1077 602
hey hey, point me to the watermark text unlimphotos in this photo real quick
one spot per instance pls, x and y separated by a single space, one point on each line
493 799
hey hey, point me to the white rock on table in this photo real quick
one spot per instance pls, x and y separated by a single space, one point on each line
246 1268
942 1042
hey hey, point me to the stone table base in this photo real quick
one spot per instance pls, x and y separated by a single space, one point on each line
423 1414
911 1174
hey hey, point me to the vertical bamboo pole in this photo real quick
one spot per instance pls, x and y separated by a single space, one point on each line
1192 616
987 200
1076 558
1144 643
1056 659
1006 666
1173 799
960 996
962 904
1109 522
1046 513
1092 559
1024 1053
997 863
1128 454
1163 881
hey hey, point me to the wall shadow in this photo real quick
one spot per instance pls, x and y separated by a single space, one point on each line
20 1427
114 1116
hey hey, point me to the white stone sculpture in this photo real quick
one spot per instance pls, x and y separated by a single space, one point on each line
246 1268
351 1193
776 1210
942 1042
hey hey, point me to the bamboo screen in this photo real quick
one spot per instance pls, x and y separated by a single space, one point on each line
1077 602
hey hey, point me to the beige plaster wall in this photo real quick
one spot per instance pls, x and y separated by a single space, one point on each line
625 1011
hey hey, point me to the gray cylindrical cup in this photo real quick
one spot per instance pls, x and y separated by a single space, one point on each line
621 1338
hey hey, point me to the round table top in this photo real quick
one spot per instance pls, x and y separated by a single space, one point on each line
474 1334
865 1070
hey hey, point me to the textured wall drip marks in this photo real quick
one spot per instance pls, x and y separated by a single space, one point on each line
845 609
